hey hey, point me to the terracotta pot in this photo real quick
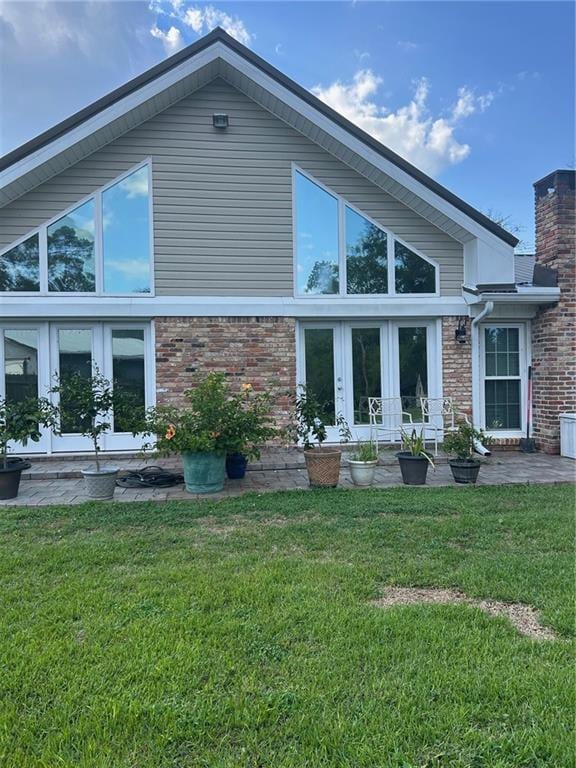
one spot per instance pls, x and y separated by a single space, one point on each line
323 465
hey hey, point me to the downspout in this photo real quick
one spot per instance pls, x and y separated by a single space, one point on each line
488 309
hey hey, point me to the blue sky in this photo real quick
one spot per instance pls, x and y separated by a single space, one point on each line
478 94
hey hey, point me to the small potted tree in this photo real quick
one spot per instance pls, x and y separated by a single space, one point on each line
465 467
250 426
363 464
89 403
20 421
414 459
323 464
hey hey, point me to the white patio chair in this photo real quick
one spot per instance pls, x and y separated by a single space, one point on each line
387 417
440 417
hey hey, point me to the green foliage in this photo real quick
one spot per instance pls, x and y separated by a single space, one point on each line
312 419
22 420
365 452
461 442
89 401
241 633
414 443
215 419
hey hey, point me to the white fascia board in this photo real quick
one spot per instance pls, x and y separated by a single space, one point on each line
32 307
532 295
108 115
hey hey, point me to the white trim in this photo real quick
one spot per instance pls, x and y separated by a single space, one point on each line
96 197
219 50
105 307
391 239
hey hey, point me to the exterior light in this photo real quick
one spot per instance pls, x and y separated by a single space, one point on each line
220 120
460 332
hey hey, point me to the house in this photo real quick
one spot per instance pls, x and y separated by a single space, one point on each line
211 214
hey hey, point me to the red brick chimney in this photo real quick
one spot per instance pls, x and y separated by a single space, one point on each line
554 327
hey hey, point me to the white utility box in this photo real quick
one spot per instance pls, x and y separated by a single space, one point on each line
568 435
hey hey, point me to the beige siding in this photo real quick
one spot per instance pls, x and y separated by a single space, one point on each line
222 200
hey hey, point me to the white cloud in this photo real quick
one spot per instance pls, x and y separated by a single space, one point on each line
200 19
412 131
172 38
135 185
407 45
130 267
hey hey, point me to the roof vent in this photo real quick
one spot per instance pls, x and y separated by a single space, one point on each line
220 120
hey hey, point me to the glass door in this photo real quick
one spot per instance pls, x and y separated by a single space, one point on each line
73 353
321 371
21 355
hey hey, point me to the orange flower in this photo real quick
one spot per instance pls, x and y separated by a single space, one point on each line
246 387
170 432
214 435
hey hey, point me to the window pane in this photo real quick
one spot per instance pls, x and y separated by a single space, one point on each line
316 238
366 255
71 251
413 369
20 267
502 400
502 351
128 373
126 235
365 370
75 357
413 274
21 365
319 354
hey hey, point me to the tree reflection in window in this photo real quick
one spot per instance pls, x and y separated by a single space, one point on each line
20 267
71 251
413 273
366 255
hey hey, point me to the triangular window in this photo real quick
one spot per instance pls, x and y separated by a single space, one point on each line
20 266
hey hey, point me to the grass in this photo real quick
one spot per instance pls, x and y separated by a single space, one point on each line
240 634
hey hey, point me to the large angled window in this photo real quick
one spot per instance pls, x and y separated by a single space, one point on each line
126 235
20 267
366 255
71 264
316 238
413 274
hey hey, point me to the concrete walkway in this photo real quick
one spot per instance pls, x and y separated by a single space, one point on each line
58 481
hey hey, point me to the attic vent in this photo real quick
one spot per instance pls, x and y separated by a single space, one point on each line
220 120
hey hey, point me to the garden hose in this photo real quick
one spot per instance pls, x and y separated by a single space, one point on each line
149 477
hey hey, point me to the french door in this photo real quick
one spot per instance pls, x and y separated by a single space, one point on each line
33 356
346 363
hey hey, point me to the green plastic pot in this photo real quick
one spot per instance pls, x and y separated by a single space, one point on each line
204 472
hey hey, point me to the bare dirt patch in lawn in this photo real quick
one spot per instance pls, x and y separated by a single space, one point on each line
521 616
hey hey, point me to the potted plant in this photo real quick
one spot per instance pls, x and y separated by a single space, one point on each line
363 464
88 403
200 432
250 425
414 459
20 421
465 467
323 464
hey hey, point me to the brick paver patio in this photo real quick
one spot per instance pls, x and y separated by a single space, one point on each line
58 481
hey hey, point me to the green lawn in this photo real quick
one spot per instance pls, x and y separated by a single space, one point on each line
240 633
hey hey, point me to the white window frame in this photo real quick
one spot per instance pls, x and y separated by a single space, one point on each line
524 361
391 238
390 362
42 232
48 362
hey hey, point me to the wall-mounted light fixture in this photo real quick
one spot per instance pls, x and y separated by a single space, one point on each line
460 333
220 120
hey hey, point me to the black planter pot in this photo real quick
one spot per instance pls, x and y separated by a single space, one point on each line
10 477
414 468
465 471
236 466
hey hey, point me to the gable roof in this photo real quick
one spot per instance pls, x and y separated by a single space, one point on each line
218 36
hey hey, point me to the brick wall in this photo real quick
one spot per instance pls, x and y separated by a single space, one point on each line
554 327
258 350
457 365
